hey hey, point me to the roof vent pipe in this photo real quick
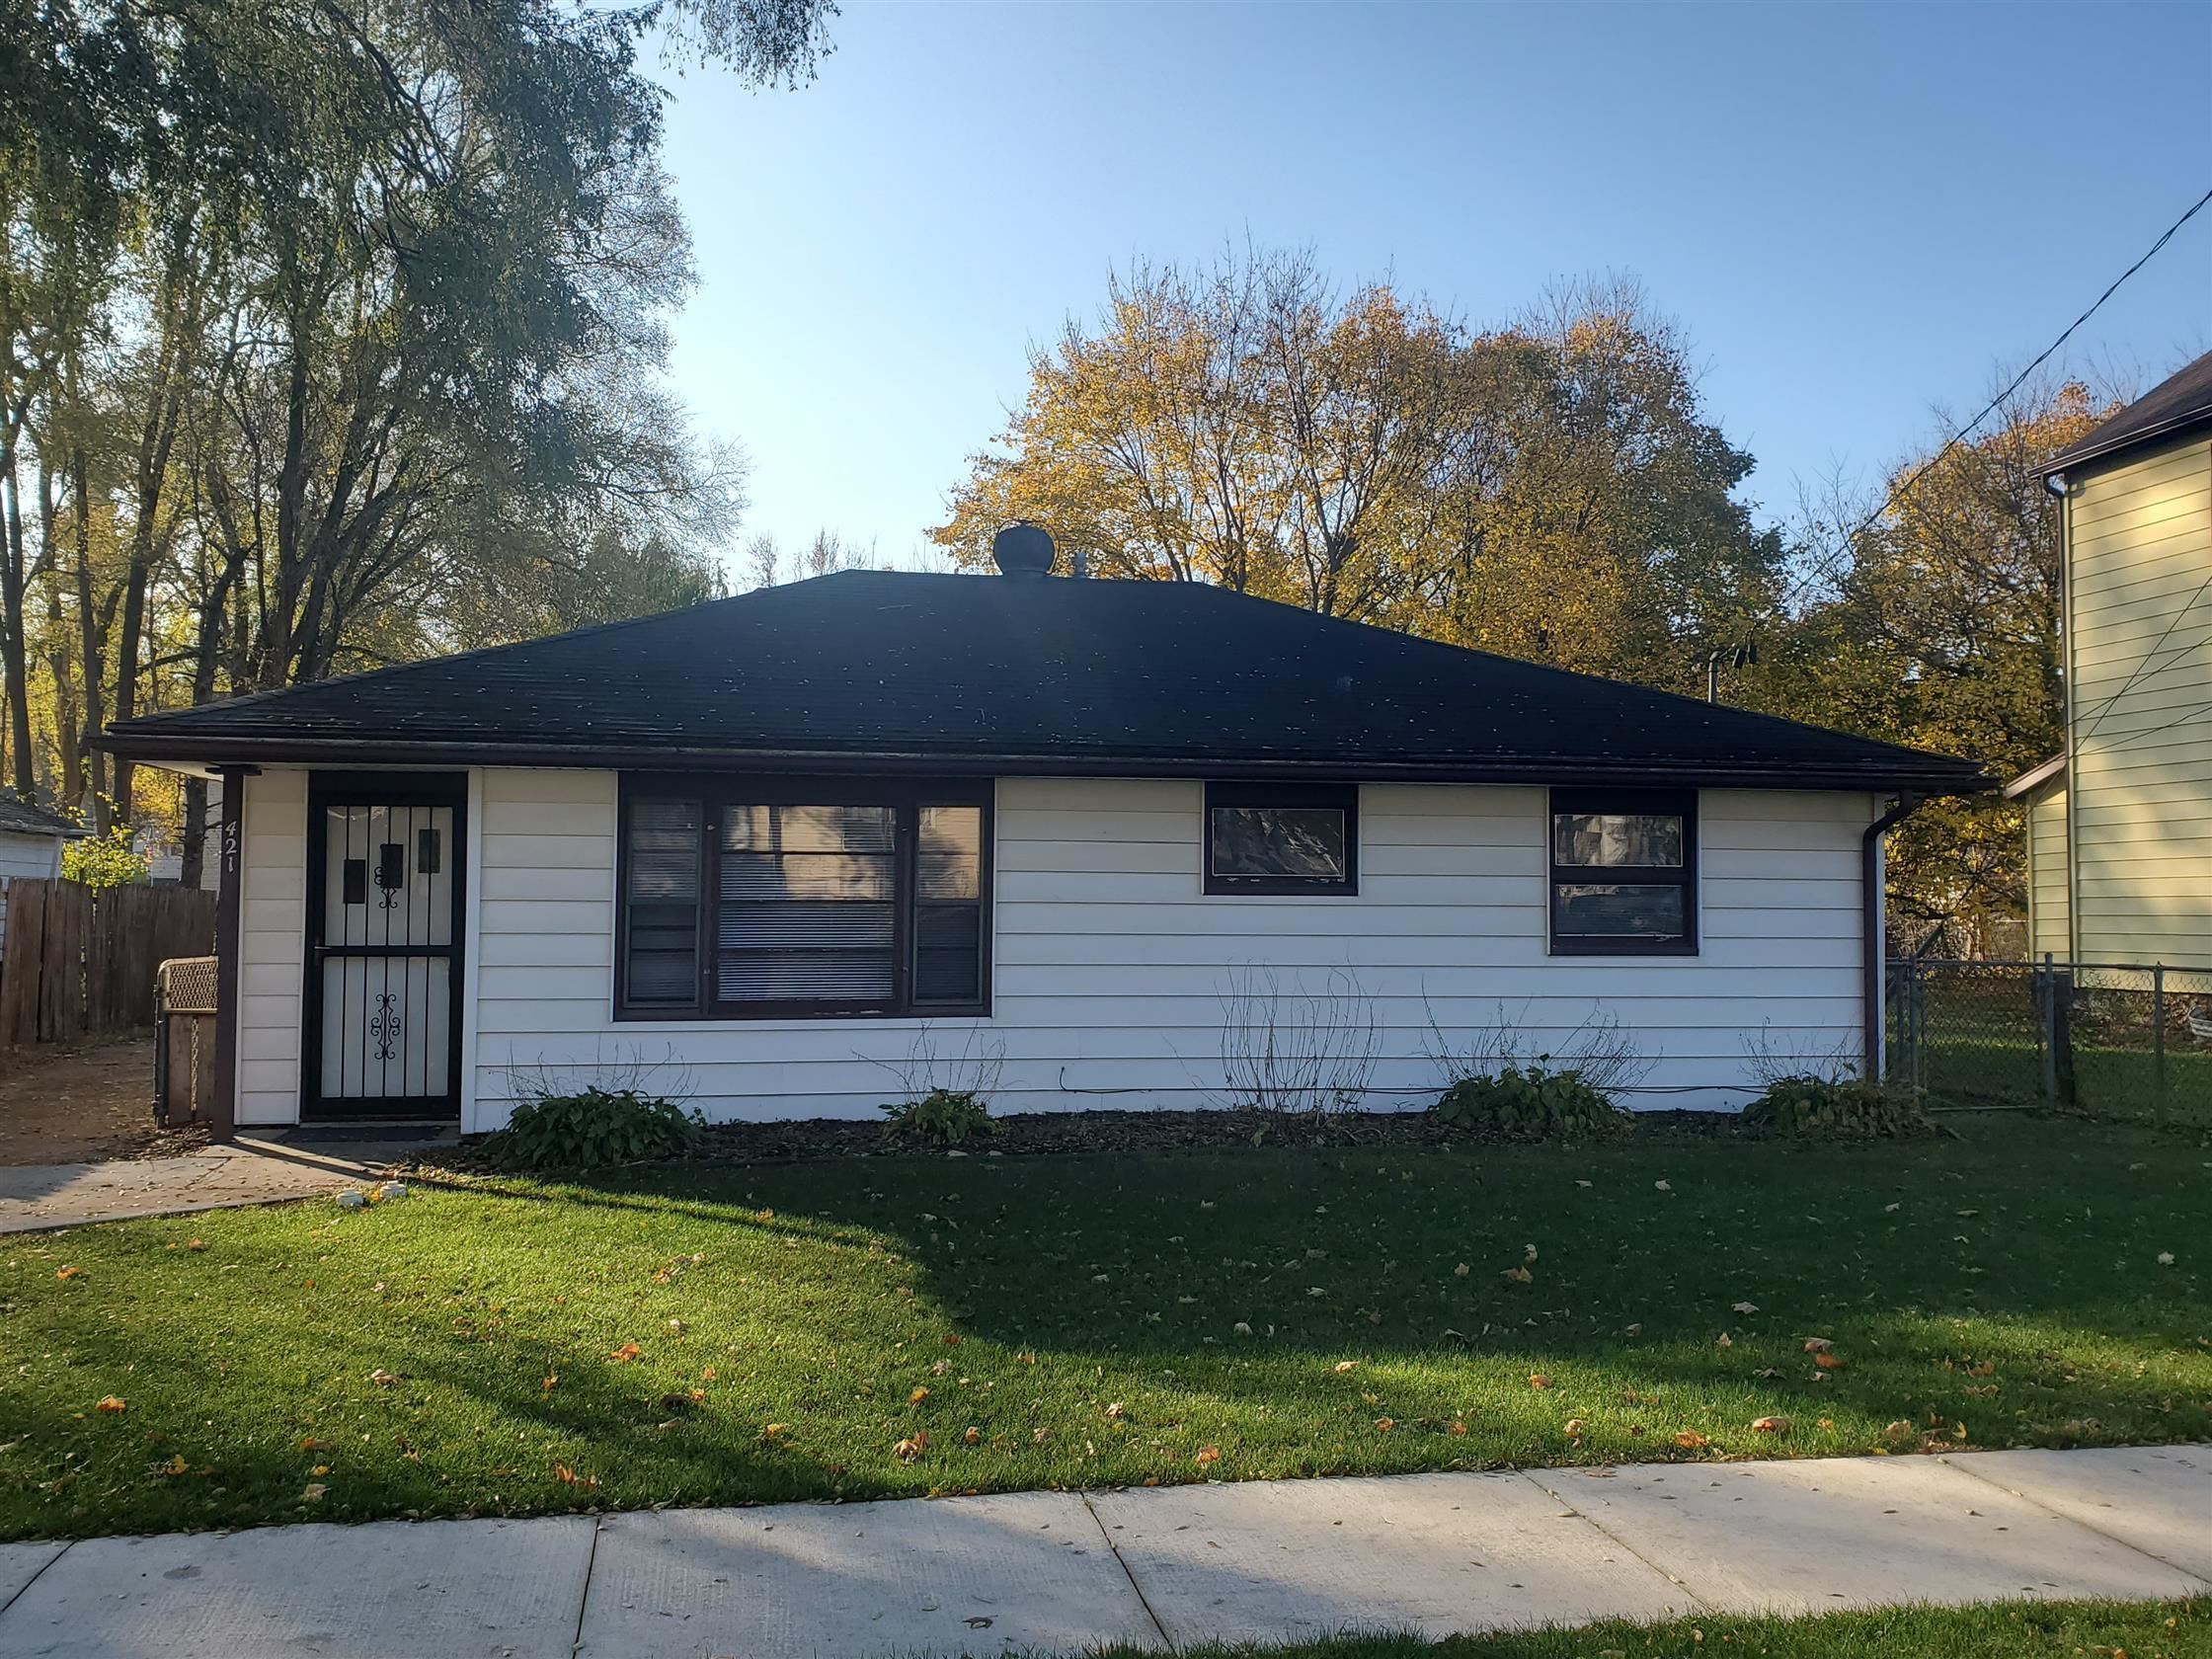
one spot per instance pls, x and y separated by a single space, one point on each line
1023 549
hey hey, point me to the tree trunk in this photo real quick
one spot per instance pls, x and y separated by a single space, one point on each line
15 631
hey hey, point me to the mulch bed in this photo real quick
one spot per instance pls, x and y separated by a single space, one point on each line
1023 1133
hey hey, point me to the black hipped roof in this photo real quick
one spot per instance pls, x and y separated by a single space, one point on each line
870 670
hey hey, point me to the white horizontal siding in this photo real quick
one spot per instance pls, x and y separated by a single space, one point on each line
36 857
272 944
1111 964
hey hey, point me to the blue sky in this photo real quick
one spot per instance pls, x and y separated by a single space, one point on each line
1859 213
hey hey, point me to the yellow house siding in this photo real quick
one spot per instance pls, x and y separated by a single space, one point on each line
2138 803
2049 933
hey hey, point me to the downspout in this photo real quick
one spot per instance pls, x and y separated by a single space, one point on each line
1870 926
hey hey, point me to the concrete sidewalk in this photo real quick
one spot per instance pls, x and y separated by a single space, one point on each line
251 1171
1174 1566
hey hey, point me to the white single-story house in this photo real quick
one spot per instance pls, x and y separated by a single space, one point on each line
31 840
802 846
31 843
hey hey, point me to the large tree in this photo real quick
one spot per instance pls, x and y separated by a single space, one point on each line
332 334
1549 489
1931 616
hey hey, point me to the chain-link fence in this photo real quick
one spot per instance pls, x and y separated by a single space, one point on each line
2117 1040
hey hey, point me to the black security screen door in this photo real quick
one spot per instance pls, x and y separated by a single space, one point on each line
384 894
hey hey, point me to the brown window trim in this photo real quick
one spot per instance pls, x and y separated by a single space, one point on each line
1677 802
1342 796
714 791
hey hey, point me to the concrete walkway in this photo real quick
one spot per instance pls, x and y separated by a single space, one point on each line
220 1177
1170 1567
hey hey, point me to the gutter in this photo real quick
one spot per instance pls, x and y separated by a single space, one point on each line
1870 927
211 752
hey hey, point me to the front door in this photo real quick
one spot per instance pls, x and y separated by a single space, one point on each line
384 885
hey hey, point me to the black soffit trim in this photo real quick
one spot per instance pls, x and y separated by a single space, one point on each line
888 671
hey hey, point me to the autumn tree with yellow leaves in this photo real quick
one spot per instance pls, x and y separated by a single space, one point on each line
1549 490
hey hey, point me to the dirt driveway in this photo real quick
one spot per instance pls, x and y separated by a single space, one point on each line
81 1104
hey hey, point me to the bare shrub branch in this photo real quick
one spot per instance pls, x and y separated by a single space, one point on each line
1601 1048
976 1069
1298 1051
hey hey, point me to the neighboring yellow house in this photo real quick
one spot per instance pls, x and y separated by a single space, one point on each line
2119 827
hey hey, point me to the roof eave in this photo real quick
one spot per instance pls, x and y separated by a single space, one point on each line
213 753
2073 459
2035 777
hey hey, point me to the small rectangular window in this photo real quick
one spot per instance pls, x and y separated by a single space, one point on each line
1623 872
1282 839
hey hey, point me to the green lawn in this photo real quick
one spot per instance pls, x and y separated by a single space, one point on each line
2039 1630
1103 1319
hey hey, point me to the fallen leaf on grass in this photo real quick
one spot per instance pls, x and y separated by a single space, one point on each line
771 1431
1208 1456
1770 1425
1573 1429
1767 1371
1457 1429
111 1404
1690 1440
569 1477
917 1396
1661 1186
2166 1259
1518 1275
384 1379
313 1492
547 1386
68 1273
1727 1341
1116 1411
626 1353
974 1437
911 1450
196 1243
1817 1345
1461 1271
1829 1362
1538 1379
1385 1424
309 1443
1747 1307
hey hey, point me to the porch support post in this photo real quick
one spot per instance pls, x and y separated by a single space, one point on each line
222 1100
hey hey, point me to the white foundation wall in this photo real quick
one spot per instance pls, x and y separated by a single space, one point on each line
272 944
1111 966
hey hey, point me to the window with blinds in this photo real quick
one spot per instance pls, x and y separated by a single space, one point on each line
790 898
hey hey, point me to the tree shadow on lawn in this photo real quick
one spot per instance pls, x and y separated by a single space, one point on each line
1081 1315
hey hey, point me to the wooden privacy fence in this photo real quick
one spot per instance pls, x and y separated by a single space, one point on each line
75 963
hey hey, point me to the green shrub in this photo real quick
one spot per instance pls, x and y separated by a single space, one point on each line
105 861
941 1118
594 1128
1529 1103
1808 1108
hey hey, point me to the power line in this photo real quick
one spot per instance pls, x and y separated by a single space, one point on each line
2128 684
1894 497
2187 717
